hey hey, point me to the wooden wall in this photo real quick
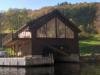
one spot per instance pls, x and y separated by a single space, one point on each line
42 37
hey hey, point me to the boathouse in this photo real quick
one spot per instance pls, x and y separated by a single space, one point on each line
49 35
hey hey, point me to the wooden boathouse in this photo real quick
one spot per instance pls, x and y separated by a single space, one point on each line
47 39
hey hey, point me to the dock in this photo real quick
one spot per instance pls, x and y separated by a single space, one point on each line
26 61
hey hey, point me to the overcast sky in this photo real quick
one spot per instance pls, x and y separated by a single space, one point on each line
35 4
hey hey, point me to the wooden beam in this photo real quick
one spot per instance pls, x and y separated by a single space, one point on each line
56 27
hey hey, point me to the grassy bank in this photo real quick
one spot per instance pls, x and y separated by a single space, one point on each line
90 46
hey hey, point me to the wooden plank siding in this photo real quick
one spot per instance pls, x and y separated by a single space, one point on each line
52 29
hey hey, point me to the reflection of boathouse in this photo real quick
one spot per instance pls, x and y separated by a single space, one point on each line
51 35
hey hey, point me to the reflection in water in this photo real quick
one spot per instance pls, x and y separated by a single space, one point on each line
40 71
57 69
27 71
67 69
90 69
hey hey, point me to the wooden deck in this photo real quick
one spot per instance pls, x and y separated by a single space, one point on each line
26 61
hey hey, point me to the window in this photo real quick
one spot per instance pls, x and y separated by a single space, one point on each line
25 34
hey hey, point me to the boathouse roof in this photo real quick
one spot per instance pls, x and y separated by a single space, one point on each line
38 22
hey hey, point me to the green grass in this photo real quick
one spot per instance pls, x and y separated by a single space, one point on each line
90 45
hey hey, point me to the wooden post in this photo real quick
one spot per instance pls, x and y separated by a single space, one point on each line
46 29
56 27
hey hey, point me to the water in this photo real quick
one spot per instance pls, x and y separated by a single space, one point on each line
58 69
90 69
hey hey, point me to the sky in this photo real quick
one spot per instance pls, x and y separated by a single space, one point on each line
35 4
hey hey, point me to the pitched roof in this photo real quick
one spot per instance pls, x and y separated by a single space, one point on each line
36 23
45 18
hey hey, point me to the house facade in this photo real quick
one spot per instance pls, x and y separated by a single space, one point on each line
49 35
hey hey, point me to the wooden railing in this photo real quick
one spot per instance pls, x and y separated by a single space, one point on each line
9 37
26 61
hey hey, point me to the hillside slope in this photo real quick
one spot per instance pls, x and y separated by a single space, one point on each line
82 14
97 19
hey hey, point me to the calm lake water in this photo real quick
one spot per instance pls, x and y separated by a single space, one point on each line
58 69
